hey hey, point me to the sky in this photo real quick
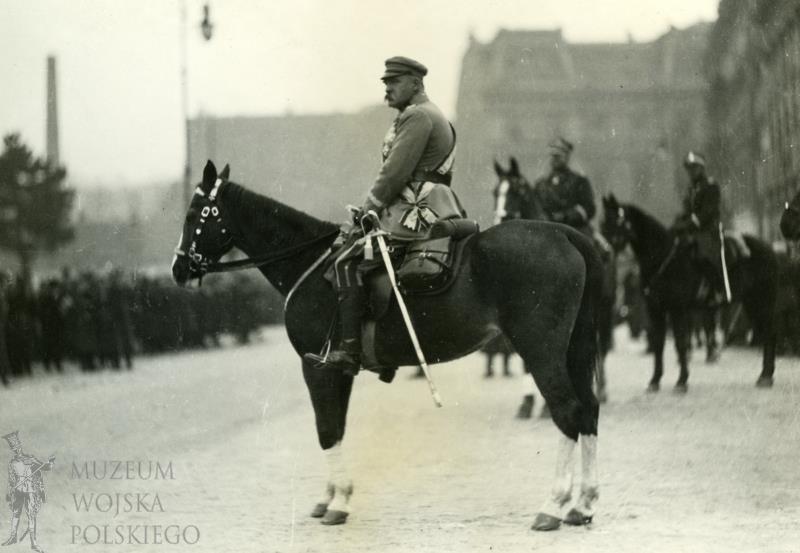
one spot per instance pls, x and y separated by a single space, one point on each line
119 63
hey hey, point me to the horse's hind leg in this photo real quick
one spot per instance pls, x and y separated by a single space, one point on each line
544 353
330 396
583 511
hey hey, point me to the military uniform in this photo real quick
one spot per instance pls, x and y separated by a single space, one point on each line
418 153
700 219
566 196
25 489
410 193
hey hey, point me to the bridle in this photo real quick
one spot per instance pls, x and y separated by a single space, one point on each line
200 265
509 186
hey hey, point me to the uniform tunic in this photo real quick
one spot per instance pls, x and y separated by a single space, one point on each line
567 197
416 145
702 204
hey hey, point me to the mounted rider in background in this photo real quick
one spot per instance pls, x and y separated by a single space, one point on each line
567 196
699 224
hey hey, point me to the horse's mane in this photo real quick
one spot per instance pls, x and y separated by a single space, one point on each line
646 223
260 212
655 240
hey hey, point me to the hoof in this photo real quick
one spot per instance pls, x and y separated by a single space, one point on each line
681 388
764 382
576 518
712 357
545 523
653 387
602 397
319 510
332 518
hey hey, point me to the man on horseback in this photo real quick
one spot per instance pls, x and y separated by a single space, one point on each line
567 196
410 193
699 224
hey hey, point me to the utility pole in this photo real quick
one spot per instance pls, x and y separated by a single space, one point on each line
206 28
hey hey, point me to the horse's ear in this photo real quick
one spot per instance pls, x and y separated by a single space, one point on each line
514 166
226 172
497 169
209 174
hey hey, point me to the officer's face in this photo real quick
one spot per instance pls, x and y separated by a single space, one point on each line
695 171
400 90
558 159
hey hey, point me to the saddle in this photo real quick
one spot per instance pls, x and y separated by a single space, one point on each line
442 249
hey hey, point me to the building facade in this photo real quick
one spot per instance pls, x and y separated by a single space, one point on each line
754 108
631 109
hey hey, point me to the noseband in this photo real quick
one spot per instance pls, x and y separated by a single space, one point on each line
198 263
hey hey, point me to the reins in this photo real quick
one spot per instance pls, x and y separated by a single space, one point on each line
262 260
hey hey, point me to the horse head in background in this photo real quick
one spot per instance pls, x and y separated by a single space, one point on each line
515 197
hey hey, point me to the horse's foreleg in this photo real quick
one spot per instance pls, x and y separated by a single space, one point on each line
681 328
549 516
658 335
330 395
340 484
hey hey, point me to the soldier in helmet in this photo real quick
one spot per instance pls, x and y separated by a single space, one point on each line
418 153
699 222
25 489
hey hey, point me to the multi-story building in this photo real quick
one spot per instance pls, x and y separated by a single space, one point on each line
754 106
632 110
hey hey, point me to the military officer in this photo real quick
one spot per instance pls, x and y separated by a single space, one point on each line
567 197
411 191
700 219
25 489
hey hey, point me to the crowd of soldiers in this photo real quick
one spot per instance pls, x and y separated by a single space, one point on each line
104 319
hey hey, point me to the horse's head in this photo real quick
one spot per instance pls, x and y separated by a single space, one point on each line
616 225
206 236
510 193
790 220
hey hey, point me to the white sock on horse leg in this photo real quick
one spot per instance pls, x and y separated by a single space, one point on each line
339 478
562 487
589 482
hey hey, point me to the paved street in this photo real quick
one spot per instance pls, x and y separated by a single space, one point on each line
232 430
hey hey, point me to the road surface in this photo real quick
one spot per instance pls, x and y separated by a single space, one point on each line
234 464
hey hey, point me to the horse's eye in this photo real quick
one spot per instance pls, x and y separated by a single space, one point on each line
205 212
214 211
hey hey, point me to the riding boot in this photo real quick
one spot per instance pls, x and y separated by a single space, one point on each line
32 530
347 357
12 538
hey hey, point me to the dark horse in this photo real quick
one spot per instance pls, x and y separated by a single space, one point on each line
671 281
516 198
535 282
790 220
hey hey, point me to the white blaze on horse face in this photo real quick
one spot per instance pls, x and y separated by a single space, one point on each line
500 205
562 487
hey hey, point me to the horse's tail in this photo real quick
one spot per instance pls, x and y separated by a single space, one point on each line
583 352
